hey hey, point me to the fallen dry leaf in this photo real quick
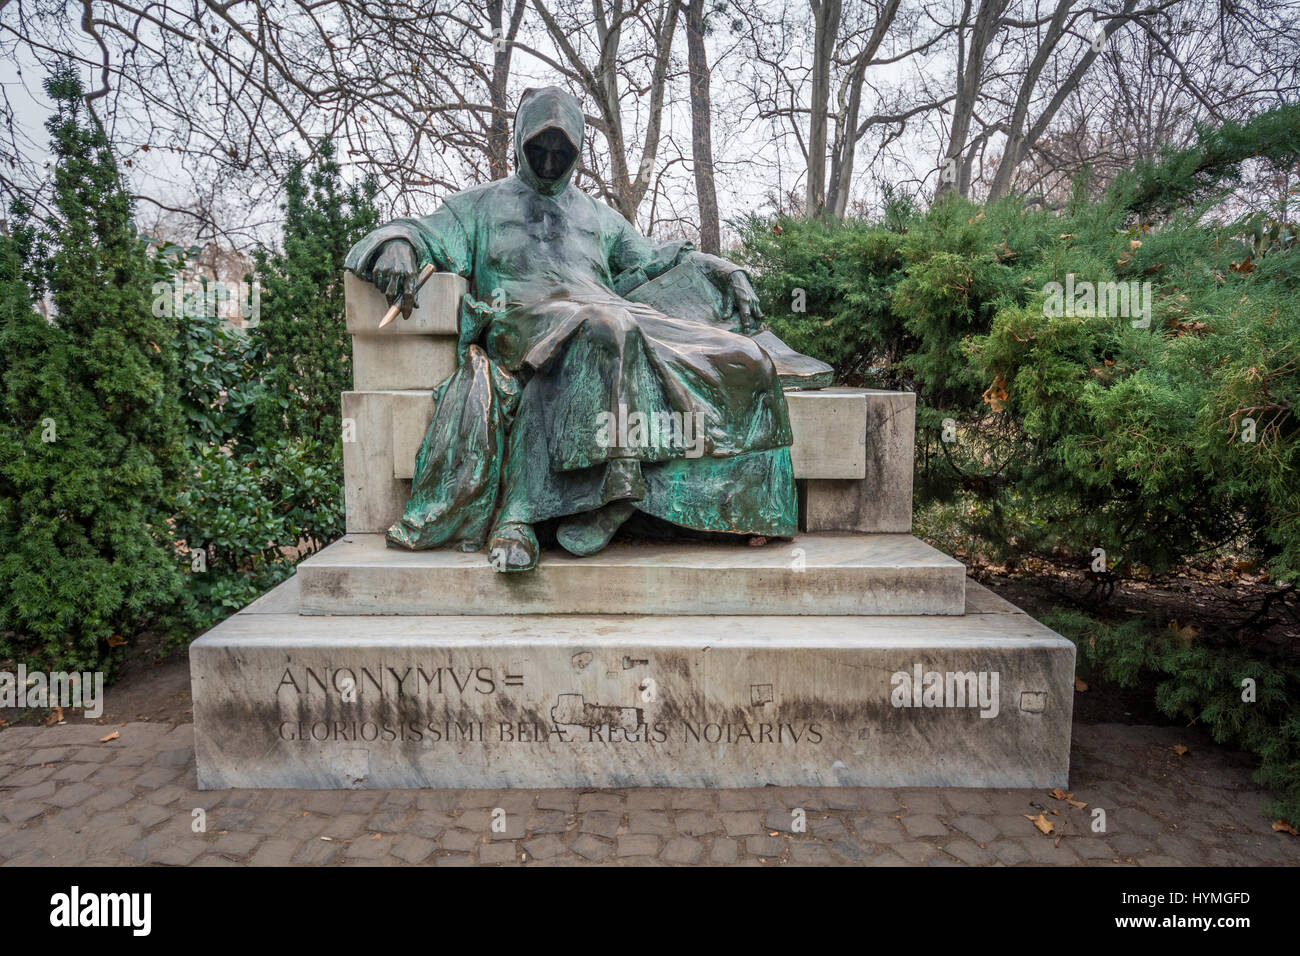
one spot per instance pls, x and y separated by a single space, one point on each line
1178 749
1135 243
1281 826
1044 825
113 736
996 394
1189 328
1060 794
1080 684
55 717
116 640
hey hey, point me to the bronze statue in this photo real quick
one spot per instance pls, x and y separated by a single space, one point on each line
599 373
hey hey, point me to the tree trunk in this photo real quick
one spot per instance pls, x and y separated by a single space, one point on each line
970 68
1019 141
702 129
826 28
845 145
499 127
1014 150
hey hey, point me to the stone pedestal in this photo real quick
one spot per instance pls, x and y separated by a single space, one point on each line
852 655
286 700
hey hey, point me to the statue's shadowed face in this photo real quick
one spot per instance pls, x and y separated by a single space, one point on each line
550 154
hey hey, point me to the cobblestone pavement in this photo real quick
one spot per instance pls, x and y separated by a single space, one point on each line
66 798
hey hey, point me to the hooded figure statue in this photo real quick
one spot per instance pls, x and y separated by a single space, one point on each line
572 401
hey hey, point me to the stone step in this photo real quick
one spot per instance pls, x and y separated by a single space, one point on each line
285 700
811 574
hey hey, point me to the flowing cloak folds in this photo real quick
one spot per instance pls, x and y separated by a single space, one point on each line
549 405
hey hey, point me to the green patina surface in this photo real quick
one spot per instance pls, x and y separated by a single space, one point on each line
569 396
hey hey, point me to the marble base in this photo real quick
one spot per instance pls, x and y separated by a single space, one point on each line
288 701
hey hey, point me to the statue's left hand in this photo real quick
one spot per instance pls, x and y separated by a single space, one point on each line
743 302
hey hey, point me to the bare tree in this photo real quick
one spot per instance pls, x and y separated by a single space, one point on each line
826 27
597 54
503 40
973 41
209 102
702 130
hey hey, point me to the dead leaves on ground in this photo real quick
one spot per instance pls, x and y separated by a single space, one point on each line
1045 826
1281 826
1059 794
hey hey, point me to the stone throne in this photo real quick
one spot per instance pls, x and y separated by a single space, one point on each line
853 655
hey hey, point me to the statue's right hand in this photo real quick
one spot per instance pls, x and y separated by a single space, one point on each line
395 272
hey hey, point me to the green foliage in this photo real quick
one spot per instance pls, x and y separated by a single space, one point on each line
1180 179
1076 431
265 488
1203 683
90 431
304 352
825 290
1070 430
219 387
254 516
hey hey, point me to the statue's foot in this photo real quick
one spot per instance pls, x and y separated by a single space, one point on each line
588 533
513 547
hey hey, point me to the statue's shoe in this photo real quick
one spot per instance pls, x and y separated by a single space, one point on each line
513 547
588 533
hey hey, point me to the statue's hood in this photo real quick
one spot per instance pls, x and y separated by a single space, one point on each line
540 110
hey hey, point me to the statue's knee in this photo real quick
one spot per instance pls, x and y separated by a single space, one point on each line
610 326
747 352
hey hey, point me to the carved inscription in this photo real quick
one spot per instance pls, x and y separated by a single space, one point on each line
572 718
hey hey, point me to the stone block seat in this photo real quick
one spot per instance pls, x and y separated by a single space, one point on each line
852 655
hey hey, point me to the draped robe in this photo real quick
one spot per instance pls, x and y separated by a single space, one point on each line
539 420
